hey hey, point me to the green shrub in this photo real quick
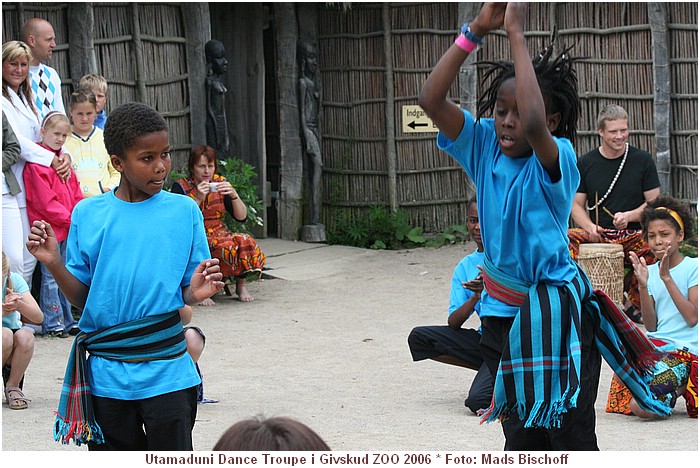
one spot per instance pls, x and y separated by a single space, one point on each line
383 229
244 179
689 248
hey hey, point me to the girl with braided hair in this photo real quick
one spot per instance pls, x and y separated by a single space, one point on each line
539 341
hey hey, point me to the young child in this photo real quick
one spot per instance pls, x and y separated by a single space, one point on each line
542 349
453 344
195 340
98 85
18 304
669 303
86 145
50 199
130 266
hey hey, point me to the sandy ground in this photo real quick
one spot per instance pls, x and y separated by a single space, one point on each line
328 346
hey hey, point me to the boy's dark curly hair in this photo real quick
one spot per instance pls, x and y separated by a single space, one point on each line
129 122
655 210
558 84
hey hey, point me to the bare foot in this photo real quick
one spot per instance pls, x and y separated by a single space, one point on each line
207 302
242 292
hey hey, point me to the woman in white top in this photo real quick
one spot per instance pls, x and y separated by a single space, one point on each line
18 107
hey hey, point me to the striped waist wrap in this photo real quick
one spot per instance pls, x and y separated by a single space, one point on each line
150 338
544 348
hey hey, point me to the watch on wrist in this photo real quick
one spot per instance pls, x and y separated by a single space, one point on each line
478 40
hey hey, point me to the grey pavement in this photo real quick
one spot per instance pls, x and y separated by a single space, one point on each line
325 342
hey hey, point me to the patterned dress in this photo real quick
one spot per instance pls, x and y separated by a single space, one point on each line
238 254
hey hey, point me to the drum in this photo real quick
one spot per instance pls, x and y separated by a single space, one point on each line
605 266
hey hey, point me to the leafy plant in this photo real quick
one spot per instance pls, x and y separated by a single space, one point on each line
382 229
451 235
689 248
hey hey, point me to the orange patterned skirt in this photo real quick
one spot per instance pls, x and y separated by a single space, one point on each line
238 254
665 384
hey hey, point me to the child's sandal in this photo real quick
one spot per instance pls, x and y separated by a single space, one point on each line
15 398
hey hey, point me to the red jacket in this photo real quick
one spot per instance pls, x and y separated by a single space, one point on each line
49 199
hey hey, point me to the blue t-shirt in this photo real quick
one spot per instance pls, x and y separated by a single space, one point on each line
13 321
523 215
670 324
135 258
466 270
100 120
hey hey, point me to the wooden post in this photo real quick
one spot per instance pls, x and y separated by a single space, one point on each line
138 52
658 19
468 76
81 19
389 109
291 162
197 32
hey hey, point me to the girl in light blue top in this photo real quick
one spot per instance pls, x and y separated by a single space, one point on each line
17 341
669 302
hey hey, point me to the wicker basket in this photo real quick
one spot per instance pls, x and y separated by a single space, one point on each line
604 265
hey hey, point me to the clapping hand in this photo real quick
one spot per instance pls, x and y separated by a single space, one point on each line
639 264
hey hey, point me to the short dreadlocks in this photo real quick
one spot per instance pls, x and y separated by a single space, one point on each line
558 84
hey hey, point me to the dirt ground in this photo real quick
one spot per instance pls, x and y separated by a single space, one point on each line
328 347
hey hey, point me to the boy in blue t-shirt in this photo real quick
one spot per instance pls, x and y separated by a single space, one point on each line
451 343
543 350
135 255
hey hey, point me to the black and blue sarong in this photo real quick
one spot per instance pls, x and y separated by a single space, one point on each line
538 377
150 338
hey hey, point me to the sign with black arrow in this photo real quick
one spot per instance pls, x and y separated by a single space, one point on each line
414 120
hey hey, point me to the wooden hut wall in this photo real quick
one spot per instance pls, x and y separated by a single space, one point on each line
140 49
613 42
683 29
15 14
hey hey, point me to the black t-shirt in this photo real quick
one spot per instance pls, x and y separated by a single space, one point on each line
597 172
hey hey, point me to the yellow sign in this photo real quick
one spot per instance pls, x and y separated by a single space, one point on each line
414 120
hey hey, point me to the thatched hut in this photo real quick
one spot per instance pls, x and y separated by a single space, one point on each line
373 59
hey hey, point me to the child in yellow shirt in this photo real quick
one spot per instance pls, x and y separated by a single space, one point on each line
85 144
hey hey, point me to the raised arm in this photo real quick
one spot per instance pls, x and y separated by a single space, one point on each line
536 124
445 114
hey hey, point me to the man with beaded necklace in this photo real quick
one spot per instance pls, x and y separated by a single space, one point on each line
617 181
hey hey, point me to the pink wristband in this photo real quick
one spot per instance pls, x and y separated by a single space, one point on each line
465 44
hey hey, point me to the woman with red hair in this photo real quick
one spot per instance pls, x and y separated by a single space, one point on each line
239 254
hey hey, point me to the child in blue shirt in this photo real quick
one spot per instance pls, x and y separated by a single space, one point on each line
18 305
541 348
135 255
451 343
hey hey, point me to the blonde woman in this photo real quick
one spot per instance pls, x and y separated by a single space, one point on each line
23 117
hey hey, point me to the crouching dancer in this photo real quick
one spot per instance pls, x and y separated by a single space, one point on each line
130 266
